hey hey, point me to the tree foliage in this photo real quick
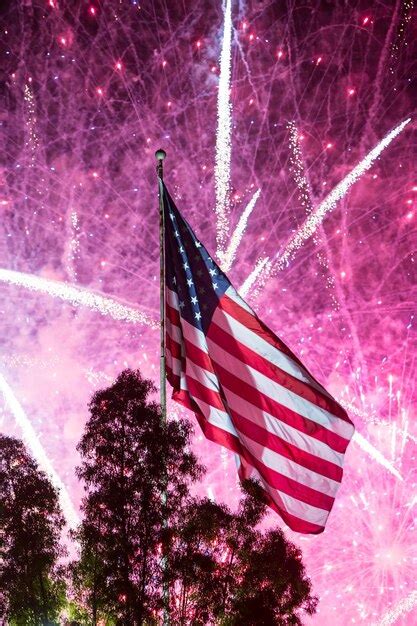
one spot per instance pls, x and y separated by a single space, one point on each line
221 569
226 571
31 583
129 458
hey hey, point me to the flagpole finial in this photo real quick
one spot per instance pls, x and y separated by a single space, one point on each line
160 156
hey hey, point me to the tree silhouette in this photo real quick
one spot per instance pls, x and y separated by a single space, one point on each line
129 457
226 571
31 584
220 569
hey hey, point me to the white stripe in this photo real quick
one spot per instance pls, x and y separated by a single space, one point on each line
217 418
262 347
279 393
265 419
301 510
205 377
290 469
208 379
286 432
172 362
172 298
173 331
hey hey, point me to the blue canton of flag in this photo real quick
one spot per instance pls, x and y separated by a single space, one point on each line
249 392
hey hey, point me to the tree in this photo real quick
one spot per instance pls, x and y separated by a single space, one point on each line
221 569
129 458
226 571
31 583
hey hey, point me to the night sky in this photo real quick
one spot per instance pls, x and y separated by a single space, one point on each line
88 92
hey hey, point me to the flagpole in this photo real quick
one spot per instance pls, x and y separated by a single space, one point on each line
160 156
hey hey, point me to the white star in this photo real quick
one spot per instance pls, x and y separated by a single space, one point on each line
186 266
171 215
176 233
197 316
212 272
194 299
182 305
181 249
174 280
189 282
197 244
215 286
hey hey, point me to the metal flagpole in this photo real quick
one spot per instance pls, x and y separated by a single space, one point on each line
160 156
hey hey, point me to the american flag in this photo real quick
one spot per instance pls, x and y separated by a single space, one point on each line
249 392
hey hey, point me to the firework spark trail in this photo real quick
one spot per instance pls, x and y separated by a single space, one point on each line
229 255
375 454
316 218
323 254
38 452
78 296
223 134
404 606
73 246
261 264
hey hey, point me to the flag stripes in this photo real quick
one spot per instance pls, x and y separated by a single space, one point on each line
248 391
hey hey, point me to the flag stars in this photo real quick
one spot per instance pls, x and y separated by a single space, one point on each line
171 215
181 304
197 316
197 244
212 272
190 282
194 300
186 266
215 286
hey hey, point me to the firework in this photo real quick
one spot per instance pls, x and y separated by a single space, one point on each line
77 296
236 238
223 135
38 452
89 98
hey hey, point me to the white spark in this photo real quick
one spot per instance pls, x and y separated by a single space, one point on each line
38 452
317 216
72 249
404 606
375 454
223 134
236 238
263 263
78 296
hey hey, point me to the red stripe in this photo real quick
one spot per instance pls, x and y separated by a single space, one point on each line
174 346
284 414
290 486
248 356
259 433
173 379
274 478
294 522
222 437
261 330
201 392
214 433
198 356
172 314
281 446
